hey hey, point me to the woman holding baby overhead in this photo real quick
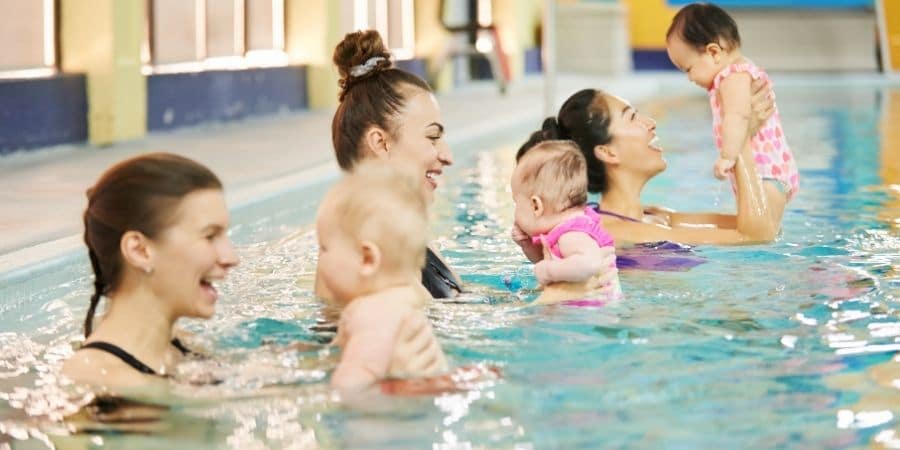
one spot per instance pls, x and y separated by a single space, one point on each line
623 153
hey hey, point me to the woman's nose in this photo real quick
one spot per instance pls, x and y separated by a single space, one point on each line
648 122
445 156
227 255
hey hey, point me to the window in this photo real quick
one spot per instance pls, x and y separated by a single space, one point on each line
28 33
394 20
192 35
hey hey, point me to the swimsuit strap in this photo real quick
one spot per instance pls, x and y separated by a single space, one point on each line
604 212
129 359
182 348
126 357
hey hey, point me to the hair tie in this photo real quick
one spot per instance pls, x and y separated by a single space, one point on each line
366 67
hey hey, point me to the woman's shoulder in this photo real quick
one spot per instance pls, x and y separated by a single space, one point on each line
99 368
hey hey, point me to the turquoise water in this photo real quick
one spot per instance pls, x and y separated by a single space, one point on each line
788 345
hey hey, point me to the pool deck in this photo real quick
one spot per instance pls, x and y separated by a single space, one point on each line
42 192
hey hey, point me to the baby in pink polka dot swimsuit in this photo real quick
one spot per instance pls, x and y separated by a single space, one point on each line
703 41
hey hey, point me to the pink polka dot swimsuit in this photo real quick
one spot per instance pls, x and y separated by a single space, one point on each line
773 157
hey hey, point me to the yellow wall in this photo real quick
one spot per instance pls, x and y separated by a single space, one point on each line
431 39
892 18
313 30
102 38
516 21
649 20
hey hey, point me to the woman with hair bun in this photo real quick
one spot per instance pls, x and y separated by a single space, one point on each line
388 113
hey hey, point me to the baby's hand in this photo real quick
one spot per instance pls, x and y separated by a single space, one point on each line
722 167
518 235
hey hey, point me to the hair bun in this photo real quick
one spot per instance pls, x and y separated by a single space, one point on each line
357 50
551 130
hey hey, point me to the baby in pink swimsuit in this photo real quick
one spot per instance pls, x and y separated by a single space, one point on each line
549 187
703 41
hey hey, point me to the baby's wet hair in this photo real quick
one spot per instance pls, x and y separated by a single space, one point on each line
555 171
701 24
382 202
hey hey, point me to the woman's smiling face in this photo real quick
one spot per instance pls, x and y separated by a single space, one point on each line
634 138
419 139
193 253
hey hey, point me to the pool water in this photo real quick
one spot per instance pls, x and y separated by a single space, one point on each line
787 345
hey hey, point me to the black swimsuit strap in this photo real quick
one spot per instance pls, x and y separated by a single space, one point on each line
129 359
126 357
181 348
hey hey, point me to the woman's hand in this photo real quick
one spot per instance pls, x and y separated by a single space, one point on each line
762 104
609 272
461 379
416 353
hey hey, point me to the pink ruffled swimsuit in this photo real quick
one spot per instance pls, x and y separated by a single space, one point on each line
588 223
774 160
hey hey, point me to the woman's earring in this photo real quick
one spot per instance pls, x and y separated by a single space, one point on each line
148 270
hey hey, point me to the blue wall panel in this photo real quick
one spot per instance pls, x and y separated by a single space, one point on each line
183 99
533 63
42 111
416 66
651 60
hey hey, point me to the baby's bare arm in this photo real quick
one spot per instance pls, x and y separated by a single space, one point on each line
582 259
736 109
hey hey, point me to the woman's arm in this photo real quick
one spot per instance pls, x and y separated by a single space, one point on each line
735 96
672 218
753 222
707 220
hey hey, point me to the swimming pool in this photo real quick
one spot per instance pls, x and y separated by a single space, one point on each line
787 345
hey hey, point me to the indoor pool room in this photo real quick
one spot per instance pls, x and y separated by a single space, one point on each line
298 224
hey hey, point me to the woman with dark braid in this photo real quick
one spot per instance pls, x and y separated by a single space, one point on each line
156 231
